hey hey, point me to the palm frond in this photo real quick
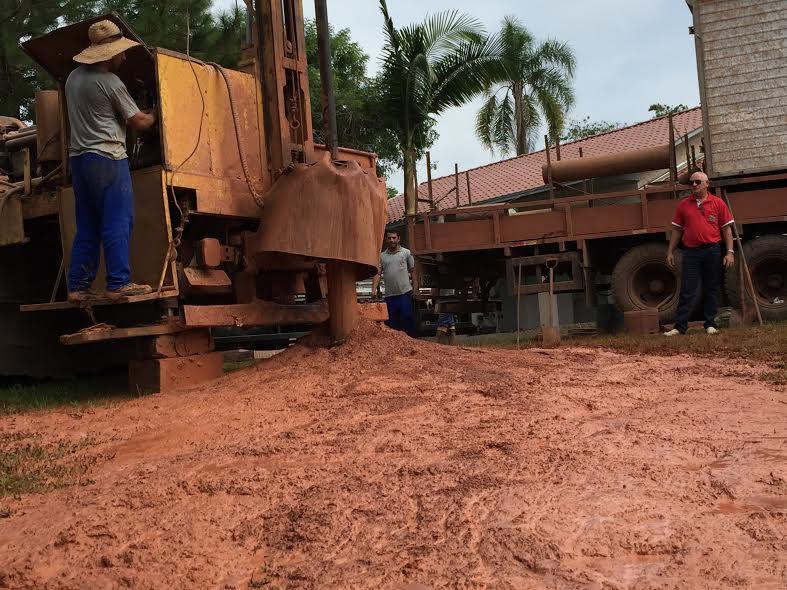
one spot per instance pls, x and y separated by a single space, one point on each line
484 122
539 74
552 81
466 73
553 113
557 54
516 42
391 34
444 33
503 132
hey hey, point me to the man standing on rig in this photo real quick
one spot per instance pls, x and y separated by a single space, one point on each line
701 221
99 108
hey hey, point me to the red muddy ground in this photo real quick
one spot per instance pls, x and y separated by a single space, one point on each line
392 463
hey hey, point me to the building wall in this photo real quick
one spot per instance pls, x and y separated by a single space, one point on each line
742 66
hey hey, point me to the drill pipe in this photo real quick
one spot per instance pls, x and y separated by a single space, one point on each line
641 160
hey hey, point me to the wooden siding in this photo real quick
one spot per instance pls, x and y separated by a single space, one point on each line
742 59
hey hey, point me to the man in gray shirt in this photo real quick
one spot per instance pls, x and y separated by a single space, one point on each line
396 263
99 107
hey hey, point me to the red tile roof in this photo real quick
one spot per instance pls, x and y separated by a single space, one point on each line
524 172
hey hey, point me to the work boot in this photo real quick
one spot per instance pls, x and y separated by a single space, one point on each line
128 290
78 297
673 332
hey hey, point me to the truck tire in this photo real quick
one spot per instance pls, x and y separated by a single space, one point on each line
642 280
767 260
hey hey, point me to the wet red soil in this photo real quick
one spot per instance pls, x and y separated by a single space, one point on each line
393 463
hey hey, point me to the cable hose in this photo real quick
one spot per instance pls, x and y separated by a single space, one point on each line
244 164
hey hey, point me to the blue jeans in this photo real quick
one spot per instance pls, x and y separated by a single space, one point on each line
702 263
400 312
104 215
446 320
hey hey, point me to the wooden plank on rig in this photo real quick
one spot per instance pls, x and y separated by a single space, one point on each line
97 302
257 313
112 333
186 343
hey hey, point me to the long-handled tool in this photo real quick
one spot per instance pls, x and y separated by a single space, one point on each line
550 336
518 293
744 263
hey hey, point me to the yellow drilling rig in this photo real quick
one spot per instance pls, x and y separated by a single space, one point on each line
240 218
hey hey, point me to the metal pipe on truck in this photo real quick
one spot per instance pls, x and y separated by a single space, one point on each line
629 162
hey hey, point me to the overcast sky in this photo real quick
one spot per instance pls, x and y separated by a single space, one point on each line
630 54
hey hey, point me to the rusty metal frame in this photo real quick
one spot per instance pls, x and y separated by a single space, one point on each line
548 222
285 88
737 180
515 288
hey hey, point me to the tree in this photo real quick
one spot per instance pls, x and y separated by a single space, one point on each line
586 128
226 36
213 37
660 110
358 103
19 76
536 88
164 24
427 68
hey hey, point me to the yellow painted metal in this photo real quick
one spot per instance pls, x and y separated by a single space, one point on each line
214 169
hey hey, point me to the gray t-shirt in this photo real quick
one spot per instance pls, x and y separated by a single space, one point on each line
98 107
394 266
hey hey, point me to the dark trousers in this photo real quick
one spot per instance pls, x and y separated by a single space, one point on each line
699 264
400 312
104 215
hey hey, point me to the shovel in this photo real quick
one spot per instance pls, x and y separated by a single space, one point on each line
550 336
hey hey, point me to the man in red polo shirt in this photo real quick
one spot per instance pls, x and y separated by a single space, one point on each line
701 221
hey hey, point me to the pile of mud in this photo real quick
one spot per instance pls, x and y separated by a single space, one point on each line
394 463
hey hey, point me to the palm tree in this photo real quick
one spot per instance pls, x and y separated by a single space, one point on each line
536 88
426 68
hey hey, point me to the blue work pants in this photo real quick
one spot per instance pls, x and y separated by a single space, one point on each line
104 215
400 312
699 264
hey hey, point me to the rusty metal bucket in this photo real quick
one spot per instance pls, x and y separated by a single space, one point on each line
332 211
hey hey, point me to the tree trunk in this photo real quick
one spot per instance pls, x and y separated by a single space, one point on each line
519 122
410 190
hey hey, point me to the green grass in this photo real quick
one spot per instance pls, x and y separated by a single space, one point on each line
28 466
26 395
764 344
18 395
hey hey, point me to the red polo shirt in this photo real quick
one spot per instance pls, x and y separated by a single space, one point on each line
701 224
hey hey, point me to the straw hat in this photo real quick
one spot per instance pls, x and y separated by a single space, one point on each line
106 41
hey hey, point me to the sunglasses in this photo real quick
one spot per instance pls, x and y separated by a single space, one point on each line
697 181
